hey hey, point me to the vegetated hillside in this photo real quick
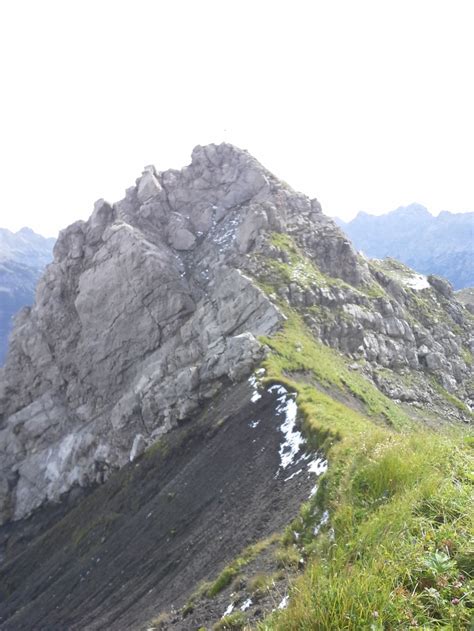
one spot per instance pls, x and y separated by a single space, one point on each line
23 257
442 245
217 414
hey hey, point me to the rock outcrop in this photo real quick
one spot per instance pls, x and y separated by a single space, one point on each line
156 302
466 297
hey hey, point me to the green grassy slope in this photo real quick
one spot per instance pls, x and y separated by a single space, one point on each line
397 551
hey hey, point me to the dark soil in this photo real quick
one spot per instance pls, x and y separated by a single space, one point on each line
142 542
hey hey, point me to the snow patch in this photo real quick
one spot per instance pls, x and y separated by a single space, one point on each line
324 520
280 390
255 382
318 466
293 475
229 610
294 440
246 604
255 396
291 449
417 282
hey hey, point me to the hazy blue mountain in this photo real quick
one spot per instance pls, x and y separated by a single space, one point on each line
442 245
23 256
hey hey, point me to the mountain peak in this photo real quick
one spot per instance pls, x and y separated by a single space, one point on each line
26 231
218 153
413 209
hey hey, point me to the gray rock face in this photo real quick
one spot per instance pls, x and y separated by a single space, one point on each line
466 297
441 285
142 316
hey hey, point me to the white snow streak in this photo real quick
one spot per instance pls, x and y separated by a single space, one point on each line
294 440
292 447
324 520
417 281
318 466
255 396
254 382
293 475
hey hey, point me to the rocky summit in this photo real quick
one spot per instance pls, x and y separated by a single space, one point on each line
144 313
156 310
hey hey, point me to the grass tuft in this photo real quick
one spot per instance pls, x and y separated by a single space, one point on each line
234 568
231 622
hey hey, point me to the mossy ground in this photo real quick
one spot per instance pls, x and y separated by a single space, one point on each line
452 399
296 351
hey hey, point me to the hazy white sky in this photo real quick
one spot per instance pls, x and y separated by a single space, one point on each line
366 105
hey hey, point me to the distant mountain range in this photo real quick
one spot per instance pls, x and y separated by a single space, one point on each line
23 256
442 245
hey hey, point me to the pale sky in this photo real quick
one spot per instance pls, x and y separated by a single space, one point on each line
366 105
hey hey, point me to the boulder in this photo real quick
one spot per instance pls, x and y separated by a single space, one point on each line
441 285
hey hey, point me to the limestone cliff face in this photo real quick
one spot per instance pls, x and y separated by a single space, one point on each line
155 304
